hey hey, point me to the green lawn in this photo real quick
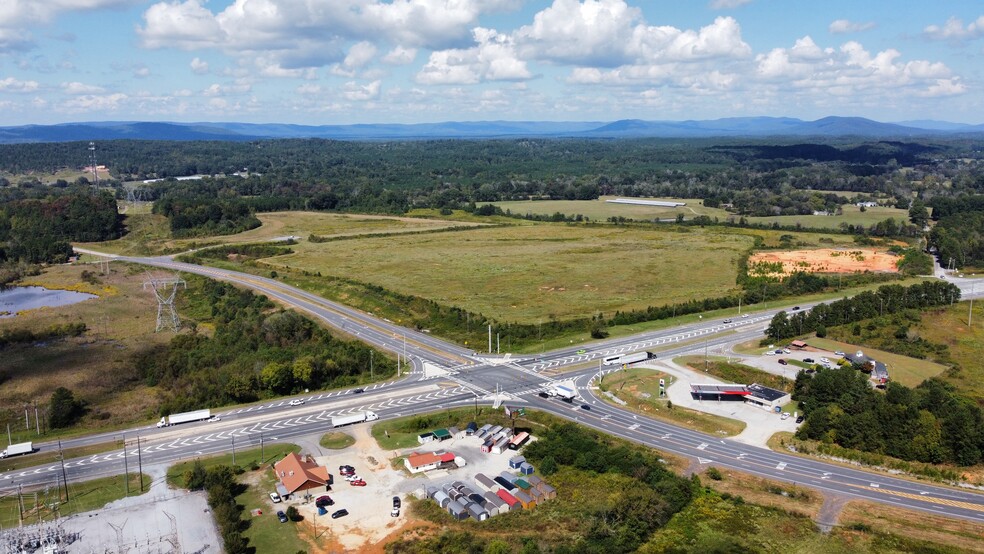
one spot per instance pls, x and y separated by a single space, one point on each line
83 497
397 434
965 342
902 369
266 533
734 372
336 441
533 273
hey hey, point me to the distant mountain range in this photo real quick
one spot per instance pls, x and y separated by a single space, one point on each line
627 128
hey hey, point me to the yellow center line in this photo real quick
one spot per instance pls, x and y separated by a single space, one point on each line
925 497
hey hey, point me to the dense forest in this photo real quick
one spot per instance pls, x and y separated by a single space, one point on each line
931 423
256 351
36 225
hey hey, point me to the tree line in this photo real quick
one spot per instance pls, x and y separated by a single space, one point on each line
888 299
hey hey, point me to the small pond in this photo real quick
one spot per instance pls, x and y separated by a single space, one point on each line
18 299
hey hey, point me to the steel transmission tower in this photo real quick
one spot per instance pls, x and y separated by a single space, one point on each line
166 289
92 163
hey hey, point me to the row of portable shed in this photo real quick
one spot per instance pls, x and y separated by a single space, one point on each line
506 492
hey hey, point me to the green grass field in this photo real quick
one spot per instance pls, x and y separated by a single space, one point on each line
530 274
966 344
902 369
149 234
852 216
600 210
84 496
244 457
336 441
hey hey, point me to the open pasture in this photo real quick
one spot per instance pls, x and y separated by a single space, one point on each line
150 234
852 215
534 273
601 210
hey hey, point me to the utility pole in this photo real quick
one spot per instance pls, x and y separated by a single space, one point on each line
37 422
497 343
705 353
61 458
370 376
970 313
126 469
490 339
233 449
20 501
9 440
139 465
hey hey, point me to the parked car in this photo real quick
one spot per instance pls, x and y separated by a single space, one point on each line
800 419
769 353
352 477
824 361
808 360
275 497
358 483
346 470
796 308
339 513
324 500
839 353
396 502
784 416
395 512
779 351
782 361
296 402
282 516
786 351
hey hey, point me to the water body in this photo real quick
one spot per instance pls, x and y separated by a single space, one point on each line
17 299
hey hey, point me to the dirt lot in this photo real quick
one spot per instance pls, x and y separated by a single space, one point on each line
828 260
369 523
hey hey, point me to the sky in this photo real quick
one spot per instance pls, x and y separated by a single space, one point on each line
325 62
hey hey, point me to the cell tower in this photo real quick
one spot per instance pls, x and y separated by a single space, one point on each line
166 289
92 163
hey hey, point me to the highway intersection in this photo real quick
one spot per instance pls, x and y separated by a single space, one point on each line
468 377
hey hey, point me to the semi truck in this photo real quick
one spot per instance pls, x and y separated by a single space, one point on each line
17 449
626 359
357 417
184 417
565 393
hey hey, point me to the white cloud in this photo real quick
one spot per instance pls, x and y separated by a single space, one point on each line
843 26
199 66
76 87
95 103
11 84
18 15
360 54
728 4
309 88
493 59
141 71
945 87
241 86
302 34
955 30
355 91
400 55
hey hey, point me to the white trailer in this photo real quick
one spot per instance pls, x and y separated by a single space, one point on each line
564 393
184 417
626 359
357 417
17 449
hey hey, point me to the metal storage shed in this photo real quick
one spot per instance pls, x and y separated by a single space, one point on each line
442 499
504 483
492 500
523 484
485 483
516 461
548 491
526 468
512 501
500 446
534 480
471 428
457 511
442 434
508 476
431 491
478 512
525 499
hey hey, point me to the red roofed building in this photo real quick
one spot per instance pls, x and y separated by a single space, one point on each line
418 463
297 474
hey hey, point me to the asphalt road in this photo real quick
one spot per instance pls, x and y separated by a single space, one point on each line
473 378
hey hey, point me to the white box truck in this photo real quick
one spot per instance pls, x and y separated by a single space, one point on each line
17 449
358 417
184 417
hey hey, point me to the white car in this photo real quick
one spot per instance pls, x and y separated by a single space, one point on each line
353 477
297 402
784 416
769 353
215 418
839 353
824 361
786 351
744 315
275 497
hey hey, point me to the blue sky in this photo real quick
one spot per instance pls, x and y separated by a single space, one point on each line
406 61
